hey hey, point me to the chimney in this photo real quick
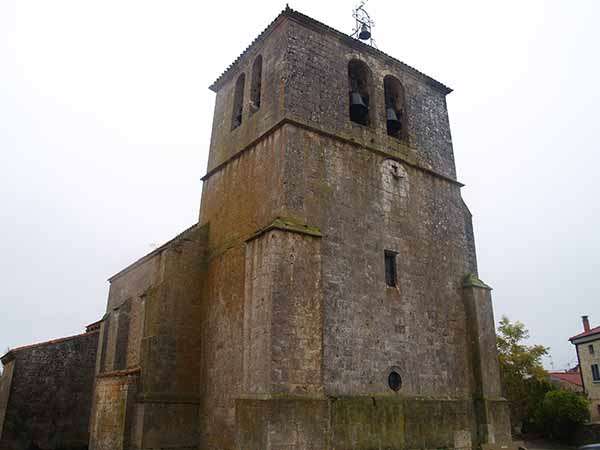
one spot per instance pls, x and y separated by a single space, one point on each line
586 323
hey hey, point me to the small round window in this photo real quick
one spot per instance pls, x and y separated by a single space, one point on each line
394 381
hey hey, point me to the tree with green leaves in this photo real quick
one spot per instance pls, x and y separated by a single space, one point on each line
561 412
524 379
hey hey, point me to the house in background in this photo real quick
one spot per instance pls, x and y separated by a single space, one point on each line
587 344
568 379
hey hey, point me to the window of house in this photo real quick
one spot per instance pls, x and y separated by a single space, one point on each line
359 80
390 268
591 349
238 102
595 372
394 107
256 84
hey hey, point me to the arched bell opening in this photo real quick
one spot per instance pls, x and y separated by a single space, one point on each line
359 81
255 89
394 107
238 102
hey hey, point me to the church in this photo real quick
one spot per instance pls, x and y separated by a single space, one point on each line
328 296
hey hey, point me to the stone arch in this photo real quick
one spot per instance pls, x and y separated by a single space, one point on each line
360 84
395 110
238 102
255 87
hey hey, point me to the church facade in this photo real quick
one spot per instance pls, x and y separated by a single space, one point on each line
328 296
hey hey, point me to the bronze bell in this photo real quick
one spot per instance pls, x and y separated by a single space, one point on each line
357 105
393 123
365 32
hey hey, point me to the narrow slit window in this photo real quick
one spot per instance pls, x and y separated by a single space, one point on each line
256 84
390 268
238 102
595 372
591 349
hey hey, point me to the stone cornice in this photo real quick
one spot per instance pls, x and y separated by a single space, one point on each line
404 158
289 225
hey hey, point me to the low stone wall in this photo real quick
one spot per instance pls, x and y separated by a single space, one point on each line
46 402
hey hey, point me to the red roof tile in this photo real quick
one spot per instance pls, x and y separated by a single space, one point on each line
586 333
569 377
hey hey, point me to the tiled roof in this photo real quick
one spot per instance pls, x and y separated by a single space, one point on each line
586 333
304 19
568 377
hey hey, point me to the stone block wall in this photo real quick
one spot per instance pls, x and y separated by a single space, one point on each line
46 394
301 212
237 201
271 324
283 318
148 373
317 93
226 142
365 203
114 401
343 423
588 357
8 370
305 79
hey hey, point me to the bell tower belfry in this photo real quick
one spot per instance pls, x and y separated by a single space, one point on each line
328 296
343 307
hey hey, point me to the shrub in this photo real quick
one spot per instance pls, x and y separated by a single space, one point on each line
561 412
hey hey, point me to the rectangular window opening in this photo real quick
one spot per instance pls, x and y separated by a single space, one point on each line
591 349
390 268
595 372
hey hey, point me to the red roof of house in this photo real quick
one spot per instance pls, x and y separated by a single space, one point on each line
569 377
586 333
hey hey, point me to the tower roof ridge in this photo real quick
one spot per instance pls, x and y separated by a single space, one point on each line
309 21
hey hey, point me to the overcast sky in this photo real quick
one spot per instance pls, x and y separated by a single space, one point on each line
105 118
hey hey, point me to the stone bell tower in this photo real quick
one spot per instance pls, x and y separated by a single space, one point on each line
344 309
328 296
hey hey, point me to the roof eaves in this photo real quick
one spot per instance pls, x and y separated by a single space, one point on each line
9 355
572 378
591 332
306 20
219 81
153 253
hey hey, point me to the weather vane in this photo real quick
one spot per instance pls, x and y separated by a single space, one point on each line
363 24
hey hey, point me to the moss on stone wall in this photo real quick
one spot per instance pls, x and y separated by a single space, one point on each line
390 422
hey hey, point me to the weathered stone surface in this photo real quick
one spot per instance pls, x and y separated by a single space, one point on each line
46 394
148 374
271 324
114 396
365 192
